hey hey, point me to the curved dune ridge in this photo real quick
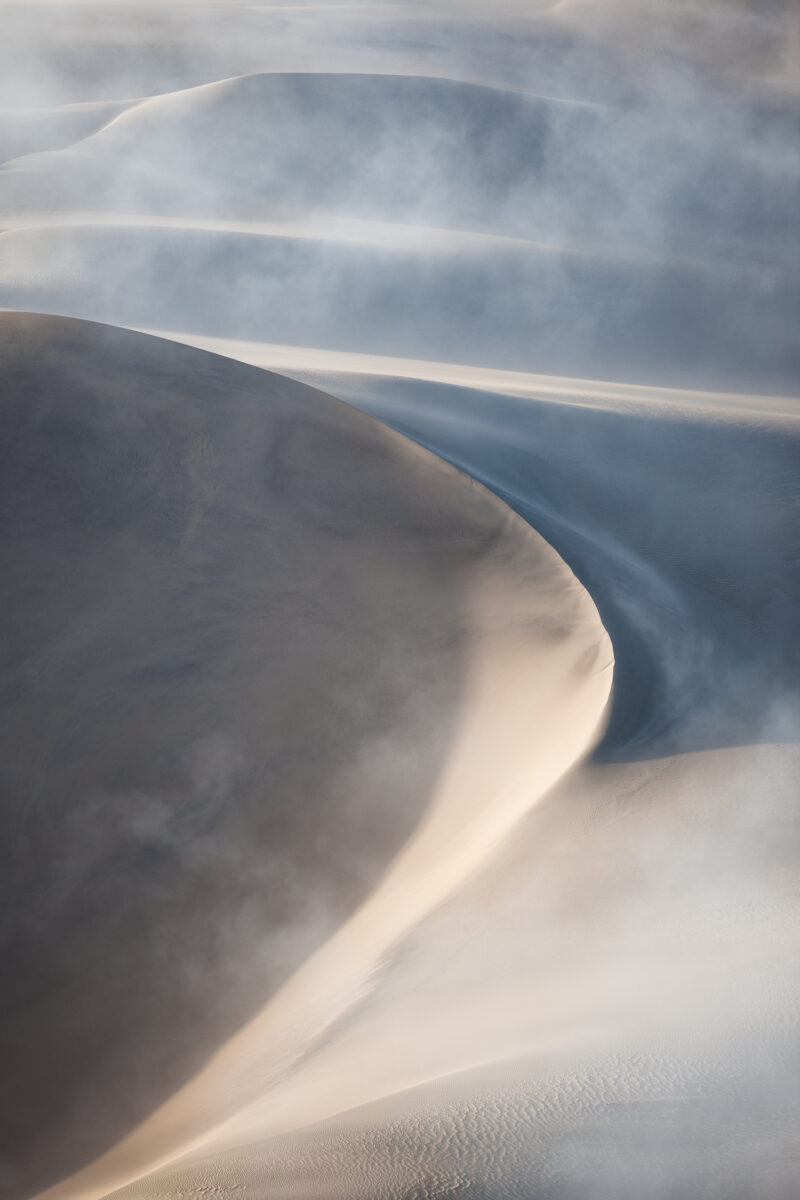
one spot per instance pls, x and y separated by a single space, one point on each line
333 867
231 591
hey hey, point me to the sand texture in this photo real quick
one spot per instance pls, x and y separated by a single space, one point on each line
400 464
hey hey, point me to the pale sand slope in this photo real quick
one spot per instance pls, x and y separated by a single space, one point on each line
610 1010
278 681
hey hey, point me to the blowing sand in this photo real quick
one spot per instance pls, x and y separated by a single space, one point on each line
251 594
343 857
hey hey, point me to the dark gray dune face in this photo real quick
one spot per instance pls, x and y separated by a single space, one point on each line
233 607
684 531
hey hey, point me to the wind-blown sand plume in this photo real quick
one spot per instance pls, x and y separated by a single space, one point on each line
588 1051
51 51
276 592
369 378
278 207
318 883
734 37
471 812
638 946
31 131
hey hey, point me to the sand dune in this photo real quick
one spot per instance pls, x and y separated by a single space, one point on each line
330 868
736 38
362 375
147 48
694 582
209 626
322 137
522 308
30 131
425 218
406 147
358 231
590 1050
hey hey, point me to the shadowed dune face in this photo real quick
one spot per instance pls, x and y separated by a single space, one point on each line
443 152
683 530
59 50
521 308
243 618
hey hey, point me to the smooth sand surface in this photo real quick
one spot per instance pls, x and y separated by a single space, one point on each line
329 872
361 375
632 1032
33 130
262 643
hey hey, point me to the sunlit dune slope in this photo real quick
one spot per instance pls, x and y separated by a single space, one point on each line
264 650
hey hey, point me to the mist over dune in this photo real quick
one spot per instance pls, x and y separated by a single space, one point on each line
638 241
400 459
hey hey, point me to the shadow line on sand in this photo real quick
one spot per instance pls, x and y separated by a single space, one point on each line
685 532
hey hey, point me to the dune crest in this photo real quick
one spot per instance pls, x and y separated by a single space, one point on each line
284 591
